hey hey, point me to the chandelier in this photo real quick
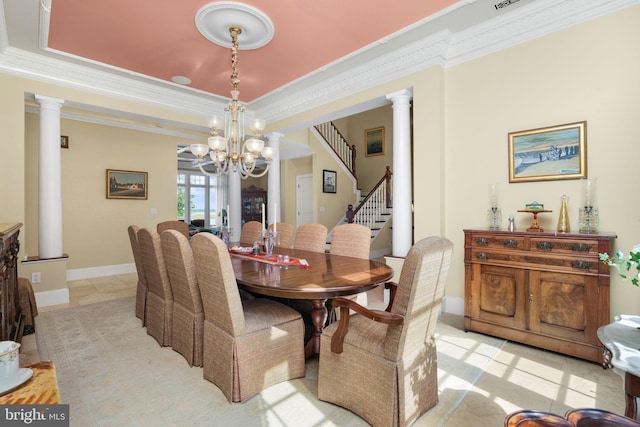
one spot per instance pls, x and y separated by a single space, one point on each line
231 150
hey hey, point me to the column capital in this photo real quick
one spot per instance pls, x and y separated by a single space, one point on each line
49 101
274 137
401 95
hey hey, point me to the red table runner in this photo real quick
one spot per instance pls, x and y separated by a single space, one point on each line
273 259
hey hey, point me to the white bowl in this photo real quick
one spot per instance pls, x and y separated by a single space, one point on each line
9 360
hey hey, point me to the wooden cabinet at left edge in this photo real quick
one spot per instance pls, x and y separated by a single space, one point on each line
548 290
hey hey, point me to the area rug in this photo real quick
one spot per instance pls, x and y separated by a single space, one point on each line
112 373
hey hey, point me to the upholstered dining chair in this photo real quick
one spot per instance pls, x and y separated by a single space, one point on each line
248 345
311 237
188 315
286 234
141 288
180 226
159 305
383 365
250 233
353 240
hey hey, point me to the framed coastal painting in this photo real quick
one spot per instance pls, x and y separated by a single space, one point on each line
374 141
328 181
550 153
126 185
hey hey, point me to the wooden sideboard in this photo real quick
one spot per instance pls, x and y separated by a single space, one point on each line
548 290
11 326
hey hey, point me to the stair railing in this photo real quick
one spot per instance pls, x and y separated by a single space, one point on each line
375 205
339 145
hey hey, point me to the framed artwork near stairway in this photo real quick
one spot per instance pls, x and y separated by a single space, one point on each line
374 141
328 181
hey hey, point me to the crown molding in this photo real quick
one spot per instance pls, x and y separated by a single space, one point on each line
356 73
149 91
531 21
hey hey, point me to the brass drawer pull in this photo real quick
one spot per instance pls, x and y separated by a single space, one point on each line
582 265
580 247
510 243
544 245
482 255
483 241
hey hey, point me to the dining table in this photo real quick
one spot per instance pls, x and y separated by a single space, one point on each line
314 276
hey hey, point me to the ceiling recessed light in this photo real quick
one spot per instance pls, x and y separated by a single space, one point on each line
181 80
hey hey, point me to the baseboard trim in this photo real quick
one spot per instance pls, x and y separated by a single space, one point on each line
57 297
107 270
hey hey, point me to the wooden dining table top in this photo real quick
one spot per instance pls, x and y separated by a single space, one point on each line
326 276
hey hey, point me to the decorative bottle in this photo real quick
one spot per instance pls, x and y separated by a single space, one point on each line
563 219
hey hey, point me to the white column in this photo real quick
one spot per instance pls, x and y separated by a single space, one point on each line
49 179
273 178
402 218
235 206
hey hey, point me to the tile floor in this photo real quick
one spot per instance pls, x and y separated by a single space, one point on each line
520 377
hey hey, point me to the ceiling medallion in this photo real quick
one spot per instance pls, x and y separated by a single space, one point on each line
213 20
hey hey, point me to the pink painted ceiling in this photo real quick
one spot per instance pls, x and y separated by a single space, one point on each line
158 38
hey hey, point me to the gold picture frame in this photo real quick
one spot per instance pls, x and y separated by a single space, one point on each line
129 185
550 153
374 141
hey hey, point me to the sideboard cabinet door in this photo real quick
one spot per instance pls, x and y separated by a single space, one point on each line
543 289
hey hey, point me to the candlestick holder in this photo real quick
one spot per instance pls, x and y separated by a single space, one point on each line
270 239
588 219
225 235
494 218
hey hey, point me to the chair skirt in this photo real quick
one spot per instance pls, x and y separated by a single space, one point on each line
141 299
383 392
159 314
187 334
270 351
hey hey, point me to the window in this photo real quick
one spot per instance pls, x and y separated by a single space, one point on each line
198 197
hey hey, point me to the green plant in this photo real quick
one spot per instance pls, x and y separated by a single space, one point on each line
627 266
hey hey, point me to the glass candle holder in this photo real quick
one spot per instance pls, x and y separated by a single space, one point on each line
494 218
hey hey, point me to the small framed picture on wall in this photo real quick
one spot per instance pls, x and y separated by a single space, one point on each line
328 181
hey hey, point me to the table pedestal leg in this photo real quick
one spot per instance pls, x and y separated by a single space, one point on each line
318 318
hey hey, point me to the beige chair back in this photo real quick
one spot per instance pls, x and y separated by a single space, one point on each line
188 315
250 233
181 269
311 237
218 287
286 234
419 296
141 288
159 305
352 240
180 226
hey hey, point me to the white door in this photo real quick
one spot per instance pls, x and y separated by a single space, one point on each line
304 199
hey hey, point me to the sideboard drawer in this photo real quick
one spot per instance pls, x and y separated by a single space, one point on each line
584 248
498 241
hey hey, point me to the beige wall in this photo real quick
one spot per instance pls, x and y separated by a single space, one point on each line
462 116
94 227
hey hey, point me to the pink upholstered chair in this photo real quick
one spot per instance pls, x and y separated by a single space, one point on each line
311 237
159 305
383 365
248 345
141 288
188 315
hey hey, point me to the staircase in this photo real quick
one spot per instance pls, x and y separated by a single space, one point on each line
374 209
